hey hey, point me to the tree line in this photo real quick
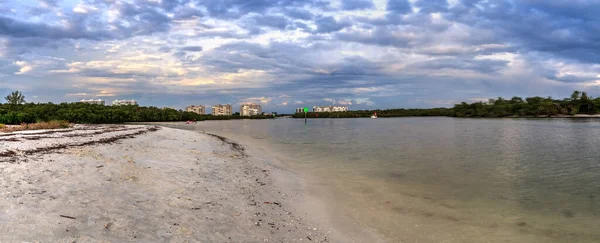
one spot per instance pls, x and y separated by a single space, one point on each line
16 111
380 113
578 103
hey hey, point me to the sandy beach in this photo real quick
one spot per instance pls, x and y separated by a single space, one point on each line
138 183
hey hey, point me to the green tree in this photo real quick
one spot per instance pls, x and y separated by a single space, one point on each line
15 98
575 95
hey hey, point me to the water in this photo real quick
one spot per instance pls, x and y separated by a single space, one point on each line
445 179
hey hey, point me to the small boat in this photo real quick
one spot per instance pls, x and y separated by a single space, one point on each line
374 116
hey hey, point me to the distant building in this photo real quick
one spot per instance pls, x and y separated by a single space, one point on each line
299 110
250 110
330 108
221 110
94 102
339 108
124 102
198 109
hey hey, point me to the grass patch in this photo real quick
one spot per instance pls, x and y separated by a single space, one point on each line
36 126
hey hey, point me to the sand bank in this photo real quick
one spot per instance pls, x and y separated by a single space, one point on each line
144 184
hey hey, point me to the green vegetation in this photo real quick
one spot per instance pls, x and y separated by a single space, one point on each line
17 112
578 103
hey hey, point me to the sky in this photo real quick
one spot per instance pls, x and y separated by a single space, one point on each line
284 54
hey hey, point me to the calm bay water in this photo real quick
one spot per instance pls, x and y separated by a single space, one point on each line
445 179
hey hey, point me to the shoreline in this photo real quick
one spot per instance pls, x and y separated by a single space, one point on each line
311 196
314 197
97 183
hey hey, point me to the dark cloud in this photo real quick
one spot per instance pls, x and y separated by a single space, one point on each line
183 54
572 78
381 35
108 73
432 6
298 13
18 46
188 13
329 24
15 28
165 49
139 19
272 21
277 58
232 9
357 4
356 66
191 48
564 28
480 65
398 6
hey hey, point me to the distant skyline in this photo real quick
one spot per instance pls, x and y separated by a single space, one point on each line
285 54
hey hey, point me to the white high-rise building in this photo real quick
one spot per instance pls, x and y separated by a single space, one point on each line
124 102
94 102
330 108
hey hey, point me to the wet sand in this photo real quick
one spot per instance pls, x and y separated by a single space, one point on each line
147 184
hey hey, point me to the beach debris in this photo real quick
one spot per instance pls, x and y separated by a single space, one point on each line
308 237
99 166
8 153
65 216
40 192
568 214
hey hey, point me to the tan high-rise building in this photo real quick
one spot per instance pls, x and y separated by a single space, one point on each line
221 110
250 110
198 109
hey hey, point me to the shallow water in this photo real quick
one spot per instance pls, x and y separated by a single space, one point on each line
445 179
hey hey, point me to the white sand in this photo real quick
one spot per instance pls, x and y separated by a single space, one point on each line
160 186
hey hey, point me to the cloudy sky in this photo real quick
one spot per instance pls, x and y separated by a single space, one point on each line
293 53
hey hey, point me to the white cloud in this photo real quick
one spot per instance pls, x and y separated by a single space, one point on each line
84 9
263 100
25 67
